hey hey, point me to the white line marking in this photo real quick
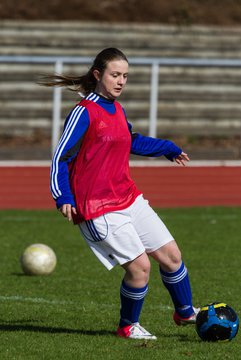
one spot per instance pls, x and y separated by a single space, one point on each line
34 300
19 298
20 163
133 163
163 215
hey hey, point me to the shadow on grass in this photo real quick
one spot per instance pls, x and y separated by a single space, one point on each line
52 330
21 325
180 337
18 274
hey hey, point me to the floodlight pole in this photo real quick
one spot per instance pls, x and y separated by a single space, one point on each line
154 100
56 114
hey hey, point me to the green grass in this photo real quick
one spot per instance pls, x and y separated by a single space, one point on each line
73 313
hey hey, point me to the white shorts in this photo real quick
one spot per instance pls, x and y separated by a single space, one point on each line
121 236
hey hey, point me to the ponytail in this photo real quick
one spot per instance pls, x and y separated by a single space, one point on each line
85 83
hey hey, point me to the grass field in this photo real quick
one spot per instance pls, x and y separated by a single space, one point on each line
73 313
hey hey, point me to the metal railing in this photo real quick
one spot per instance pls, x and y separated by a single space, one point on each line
154 63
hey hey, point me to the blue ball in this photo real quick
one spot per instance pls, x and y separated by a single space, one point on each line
217 322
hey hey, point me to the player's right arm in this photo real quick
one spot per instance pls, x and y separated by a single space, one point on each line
68 147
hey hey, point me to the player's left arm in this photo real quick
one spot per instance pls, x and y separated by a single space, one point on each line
154 147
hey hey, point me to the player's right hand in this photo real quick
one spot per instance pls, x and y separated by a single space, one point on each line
67 210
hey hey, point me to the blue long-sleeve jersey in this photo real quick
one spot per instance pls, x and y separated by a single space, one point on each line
75 127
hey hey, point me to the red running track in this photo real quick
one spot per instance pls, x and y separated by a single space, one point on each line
27 187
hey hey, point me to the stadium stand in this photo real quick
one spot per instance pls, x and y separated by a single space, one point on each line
192 101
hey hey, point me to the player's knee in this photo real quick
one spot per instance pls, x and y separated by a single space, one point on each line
170 259
142 272
145 271
175 258
139 271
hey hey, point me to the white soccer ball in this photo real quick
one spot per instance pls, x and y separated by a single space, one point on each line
38 259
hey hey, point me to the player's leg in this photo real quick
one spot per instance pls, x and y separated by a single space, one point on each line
114 240
160 244
133 289
175 277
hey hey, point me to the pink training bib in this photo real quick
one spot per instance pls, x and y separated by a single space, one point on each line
100 175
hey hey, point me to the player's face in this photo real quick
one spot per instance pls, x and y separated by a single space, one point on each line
111 83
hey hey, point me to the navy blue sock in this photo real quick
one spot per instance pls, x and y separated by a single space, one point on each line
132 300
178 285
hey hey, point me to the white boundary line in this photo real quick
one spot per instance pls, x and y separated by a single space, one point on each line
193 163
133 163
21 163
20 298
37 300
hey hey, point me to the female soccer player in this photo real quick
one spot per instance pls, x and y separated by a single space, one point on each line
91 184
